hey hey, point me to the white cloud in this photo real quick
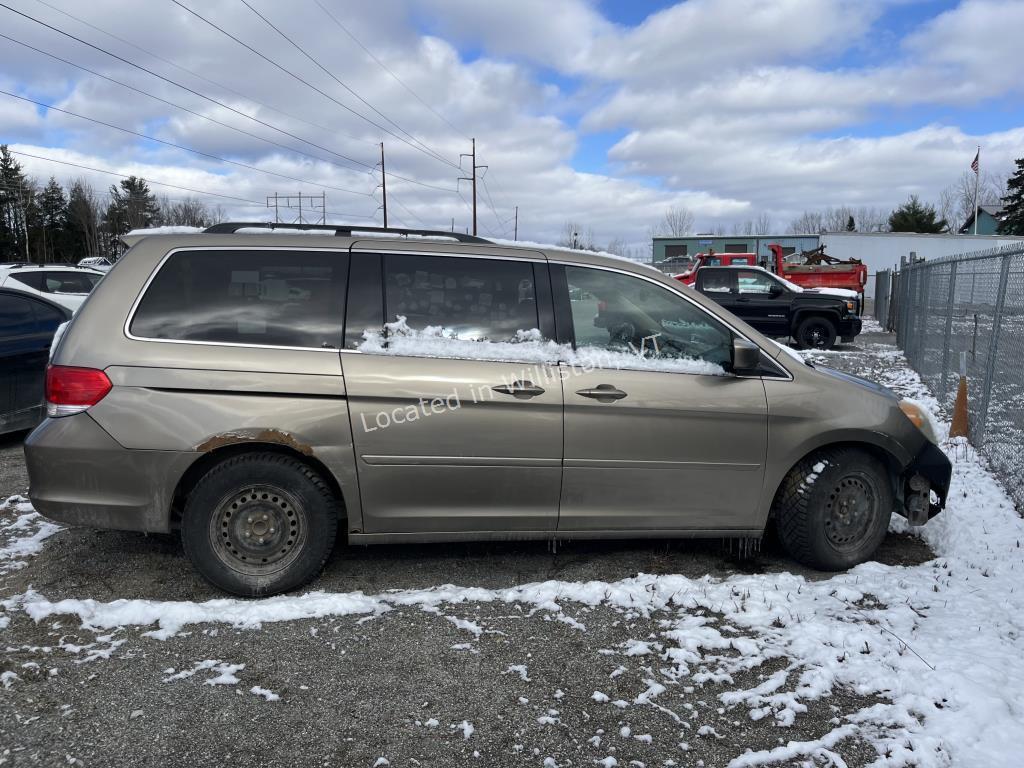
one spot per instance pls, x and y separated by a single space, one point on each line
731 107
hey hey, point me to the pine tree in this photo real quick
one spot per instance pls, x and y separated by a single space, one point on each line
83 221
915 216
851 225
132 206
53 222
15 194
1012 221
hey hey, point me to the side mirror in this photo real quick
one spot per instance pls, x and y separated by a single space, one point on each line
746 357
775 290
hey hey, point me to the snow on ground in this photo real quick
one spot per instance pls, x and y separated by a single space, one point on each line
936 648
22 537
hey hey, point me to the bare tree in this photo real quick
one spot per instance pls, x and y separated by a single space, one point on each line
676 222
84 216
870 219
575 235
807 223
959 196
189 212
763 225
745 228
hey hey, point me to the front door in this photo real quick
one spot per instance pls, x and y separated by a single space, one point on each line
658 434
456 410
761 300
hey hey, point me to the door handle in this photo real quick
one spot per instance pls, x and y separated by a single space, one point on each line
603 393
521 390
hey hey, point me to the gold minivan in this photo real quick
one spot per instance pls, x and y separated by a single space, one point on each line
257 390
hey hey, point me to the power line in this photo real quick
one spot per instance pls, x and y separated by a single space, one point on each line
335 78
180 146
179 106
247 203
305 82
198 75
383 66
218 103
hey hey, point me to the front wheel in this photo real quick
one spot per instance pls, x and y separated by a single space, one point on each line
833 508
259 524
815 333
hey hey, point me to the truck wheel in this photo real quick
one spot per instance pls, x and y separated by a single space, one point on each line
833 508
815 333
259 524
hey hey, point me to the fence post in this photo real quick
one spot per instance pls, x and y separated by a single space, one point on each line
921 327
948 332
993 349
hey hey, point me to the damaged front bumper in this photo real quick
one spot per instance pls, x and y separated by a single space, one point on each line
929 472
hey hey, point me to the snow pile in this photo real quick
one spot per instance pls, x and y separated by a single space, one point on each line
527 347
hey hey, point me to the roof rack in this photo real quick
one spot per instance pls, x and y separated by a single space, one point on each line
341 230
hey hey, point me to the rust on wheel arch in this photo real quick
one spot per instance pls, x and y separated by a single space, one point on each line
274 436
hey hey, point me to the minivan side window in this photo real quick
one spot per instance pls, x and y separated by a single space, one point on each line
280 298
470 299
626 314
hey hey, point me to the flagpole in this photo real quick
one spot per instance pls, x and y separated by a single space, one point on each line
977 176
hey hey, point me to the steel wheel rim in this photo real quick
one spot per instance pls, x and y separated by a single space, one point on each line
852 506
258 530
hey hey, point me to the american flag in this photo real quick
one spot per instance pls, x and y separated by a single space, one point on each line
974 163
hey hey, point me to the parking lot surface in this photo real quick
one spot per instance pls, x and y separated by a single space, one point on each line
116 653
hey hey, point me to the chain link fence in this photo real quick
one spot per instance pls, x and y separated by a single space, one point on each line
972 303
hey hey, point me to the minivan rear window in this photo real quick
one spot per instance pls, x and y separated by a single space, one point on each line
280 298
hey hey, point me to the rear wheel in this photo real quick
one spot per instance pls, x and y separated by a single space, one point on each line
833 508
815 333
259 524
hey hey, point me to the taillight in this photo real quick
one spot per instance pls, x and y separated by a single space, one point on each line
72 390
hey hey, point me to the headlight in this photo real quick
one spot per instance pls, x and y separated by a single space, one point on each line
920 418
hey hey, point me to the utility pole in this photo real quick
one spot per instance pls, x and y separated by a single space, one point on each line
515 230
384 185
472 178
316 204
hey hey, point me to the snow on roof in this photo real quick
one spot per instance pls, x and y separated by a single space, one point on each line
165 231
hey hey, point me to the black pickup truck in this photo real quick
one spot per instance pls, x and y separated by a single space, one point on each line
780 309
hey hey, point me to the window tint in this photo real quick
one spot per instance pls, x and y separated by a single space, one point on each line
31 279
478 299
735 247
15 316
274 298
627 314
749 281
675 251
47 317
715 281
67 282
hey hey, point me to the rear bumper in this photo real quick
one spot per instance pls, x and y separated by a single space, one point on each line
79 475
929 472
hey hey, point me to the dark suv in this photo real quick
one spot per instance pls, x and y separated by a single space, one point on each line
781 309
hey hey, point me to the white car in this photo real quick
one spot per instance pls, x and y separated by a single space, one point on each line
101 263
63 284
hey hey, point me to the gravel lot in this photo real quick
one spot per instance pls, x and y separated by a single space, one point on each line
488 683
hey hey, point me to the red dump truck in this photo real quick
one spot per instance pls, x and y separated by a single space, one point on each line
808 269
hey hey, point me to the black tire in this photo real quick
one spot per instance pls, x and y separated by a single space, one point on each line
259 524
834 518
815 332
